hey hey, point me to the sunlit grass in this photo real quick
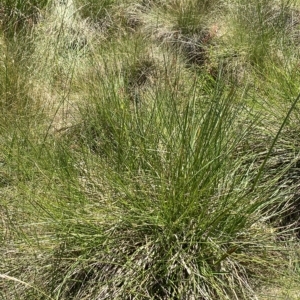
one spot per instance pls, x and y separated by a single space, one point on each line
149 154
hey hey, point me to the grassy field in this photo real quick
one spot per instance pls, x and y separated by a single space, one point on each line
149 149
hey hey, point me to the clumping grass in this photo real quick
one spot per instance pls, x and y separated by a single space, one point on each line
149 150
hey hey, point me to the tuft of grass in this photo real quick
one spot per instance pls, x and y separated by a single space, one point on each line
157 159
20 16
94 9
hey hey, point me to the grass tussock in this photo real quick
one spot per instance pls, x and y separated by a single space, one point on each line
149 150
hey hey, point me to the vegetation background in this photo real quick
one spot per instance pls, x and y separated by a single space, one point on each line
149 149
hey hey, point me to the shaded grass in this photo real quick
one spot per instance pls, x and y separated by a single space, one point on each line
19 17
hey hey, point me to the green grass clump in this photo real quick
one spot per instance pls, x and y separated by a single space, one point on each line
96 10
20 16
157 159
